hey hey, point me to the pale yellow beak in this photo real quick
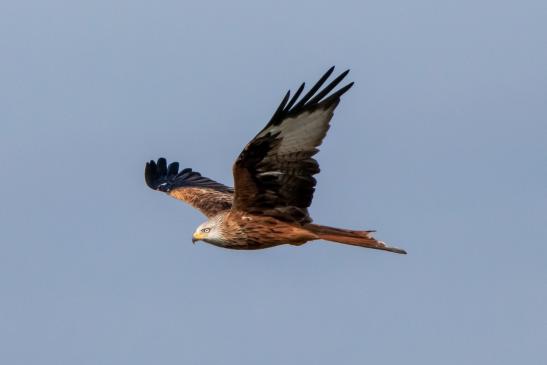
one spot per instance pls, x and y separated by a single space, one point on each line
197 236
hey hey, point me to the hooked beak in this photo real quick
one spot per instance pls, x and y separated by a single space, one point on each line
196 237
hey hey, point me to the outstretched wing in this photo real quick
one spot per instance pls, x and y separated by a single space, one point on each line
274 173
204 194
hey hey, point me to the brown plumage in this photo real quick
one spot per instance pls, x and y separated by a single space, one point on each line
273 179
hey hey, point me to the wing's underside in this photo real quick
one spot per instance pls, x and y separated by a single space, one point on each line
274 173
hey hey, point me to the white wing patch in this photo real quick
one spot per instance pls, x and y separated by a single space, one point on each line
271 173
303 132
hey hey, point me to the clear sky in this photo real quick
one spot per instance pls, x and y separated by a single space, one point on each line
441 146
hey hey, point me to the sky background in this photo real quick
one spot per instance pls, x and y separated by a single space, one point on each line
440 146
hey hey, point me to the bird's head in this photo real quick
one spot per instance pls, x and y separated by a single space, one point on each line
208 232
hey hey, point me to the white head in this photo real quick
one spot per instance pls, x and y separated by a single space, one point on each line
209 231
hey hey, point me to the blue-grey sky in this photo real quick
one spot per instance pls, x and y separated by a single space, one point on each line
440 146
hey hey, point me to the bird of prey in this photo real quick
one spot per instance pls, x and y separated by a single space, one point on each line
273 181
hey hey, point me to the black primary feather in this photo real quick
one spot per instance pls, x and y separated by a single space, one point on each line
312 99
159 176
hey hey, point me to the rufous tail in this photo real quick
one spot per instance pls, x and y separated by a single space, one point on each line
350 237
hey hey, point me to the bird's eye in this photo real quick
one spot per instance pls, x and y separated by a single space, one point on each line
206 230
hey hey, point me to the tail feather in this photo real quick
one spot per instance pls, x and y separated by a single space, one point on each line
351 237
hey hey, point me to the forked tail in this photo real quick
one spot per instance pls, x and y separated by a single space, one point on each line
349 237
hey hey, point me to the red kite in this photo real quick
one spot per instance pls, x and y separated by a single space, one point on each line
273 178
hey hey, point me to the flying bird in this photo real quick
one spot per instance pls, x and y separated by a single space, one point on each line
273 181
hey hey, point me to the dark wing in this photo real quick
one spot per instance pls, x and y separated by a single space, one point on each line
207 195
274 173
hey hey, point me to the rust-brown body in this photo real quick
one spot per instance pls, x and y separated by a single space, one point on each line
243 231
